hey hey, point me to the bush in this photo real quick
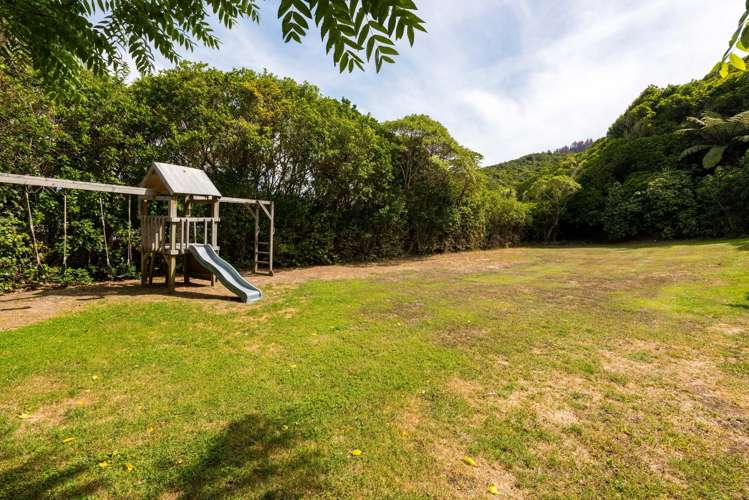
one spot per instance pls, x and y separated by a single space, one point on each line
659 205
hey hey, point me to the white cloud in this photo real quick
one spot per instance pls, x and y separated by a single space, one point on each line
511 77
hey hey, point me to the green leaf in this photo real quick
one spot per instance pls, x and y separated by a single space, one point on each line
737 62
713 157
724 70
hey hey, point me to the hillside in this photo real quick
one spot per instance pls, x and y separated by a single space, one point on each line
517 173
633 183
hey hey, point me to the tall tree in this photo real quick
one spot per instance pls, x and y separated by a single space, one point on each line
61 37
551 194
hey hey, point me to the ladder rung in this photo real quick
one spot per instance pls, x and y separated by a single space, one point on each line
262 262
260 252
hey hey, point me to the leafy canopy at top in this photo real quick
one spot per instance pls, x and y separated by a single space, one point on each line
60 38
739 43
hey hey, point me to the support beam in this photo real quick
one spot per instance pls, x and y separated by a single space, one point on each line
243 201
30 180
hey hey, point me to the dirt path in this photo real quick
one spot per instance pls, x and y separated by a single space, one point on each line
23 308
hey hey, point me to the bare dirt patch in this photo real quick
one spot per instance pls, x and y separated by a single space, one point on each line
468 481
453 477
51 415
27 307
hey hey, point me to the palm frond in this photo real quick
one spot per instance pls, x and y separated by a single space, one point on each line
741 118
693 150
696 121
714 156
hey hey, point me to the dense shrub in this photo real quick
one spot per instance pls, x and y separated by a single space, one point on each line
345 187
658 205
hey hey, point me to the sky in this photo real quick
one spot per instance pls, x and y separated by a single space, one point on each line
506 77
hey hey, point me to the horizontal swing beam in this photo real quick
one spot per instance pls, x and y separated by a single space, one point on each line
244 201
30 180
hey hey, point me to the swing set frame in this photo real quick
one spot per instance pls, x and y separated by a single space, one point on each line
257 209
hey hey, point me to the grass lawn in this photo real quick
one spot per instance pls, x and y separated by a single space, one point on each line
580 371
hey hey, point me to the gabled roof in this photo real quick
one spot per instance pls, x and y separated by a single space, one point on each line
175 179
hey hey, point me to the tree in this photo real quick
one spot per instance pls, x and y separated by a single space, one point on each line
60 38
551 194
717 134
438 178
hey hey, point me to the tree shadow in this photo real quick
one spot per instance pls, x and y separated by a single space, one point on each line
740 243
254 457
41 477
134 288
741 306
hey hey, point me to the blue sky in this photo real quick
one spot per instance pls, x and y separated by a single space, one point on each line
508 77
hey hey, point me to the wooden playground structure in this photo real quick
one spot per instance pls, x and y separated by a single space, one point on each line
171 235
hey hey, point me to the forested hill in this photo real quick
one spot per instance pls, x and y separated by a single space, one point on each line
635 183
519 173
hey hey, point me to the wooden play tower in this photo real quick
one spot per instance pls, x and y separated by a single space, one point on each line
170 236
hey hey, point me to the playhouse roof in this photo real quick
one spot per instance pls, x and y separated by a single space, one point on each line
175 179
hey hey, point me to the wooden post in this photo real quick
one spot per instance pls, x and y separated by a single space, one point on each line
185 263
104 233
272 233
172 224
129 235
64 232
143 211
171 272
214 231
257 237
33 233
171 260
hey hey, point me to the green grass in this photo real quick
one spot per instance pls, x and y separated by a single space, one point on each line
589 371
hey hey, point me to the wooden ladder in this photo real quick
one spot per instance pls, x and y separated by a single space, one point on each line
263 257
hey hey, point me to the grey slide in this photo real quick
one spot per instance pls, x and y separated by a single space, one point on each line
231 279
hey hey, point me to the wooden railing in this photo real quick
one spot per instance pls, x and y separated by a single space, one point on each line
161 233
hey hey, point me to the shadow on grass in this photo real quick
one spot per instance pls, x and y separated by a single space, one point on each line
130 289
742 306
741 243
37 477
253 457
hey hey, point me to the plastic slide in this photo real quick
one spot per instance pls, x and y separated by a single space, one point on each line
225 272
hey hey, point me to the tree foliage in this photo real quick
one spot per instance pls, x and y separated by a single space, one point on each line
738 46
59 39
345 186
644 179
551 194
